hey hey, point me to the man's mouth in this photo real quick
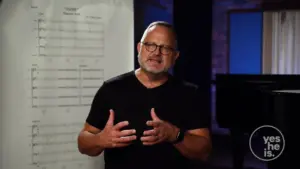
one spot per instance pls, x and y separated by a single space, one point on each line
159 61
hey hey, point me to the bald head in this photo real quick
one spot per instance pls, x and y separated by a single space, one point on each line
161 25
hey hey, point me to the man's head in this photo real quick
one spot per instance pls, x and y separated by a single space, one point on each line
157 50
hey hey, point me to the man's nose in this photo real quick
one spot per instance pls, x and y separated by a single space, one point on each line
158 50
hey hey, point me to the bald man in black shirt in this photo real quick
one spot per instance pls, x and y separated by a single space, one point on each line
146 118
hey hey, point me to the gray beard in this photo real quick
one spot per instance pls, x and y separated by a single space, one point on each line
144 68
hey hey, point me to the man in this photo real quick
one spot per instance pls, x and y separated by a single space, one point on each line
147 119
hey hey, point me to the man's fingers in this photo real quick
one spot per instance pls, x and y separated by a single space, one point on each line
125 139
153 123
149 143
151 132
149 138
118 145
121 125
124 133
154 116
111 118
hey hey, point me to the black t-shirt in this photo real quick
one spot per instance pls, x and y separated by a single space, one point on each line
175 101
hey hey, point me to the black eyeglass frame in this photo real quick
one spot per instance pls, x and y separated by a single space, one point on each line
167 48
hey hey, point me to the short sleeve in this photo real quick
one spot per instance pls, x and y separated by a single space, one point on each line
198 114
99 111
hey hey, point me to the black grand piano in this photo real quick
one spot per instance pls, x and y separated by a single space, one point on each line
245 102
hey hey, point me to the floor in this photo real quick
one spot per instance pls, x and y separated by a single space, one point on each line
221 157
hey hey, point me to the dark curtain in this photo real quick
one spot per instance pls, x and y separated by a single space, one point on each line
193 24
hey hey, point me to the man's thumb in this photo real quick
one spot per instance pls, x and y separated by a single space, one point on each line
153 115
111 118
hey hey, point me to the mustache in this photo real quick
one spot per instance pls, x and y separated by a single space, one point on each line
155 57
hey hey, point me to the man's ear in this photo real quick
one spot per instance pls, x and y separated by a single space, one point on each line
177 55
139 45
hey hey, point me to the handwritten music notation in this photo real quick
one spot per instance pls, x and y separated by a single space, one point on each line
64 87
69 38
55 143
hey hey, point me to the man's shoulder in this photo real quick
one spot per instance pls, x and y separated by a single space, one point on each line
189 85
120 79
184 85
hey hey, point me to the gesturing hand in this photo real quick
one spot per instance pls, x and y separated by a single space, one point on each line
112 136
162 131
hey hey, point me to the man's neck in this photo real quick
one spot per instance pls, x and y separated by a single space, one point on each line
151 80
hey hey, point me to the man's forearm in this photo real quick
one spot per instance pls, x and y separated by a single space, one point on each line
87 144
194 147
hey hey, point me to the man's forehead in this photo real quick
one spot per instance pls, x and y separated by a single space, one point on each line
158 30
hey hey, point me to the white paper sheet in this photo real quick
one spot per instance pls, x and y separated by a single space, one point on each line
55 54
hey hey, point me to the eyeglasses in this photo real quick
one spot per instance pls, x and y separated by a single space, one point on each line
151 47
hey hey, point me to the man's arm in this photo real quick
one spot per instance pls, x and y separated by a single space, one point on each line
88 141
196 144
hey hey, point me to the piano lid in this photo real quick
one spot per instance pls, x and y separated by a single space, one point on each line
287 91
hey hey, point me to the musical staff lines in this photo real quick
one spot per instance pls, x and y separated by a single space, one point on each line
68 21
68 30
64 87
69 38
55 143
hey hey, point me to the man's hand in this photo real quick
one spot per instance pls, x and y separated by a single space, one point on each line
112 136
162 131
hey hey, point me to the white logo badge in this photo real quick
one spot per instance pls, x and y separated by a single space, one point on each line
266 143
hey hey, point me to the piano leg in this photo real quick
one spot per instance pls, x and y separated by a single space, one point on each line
238 148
